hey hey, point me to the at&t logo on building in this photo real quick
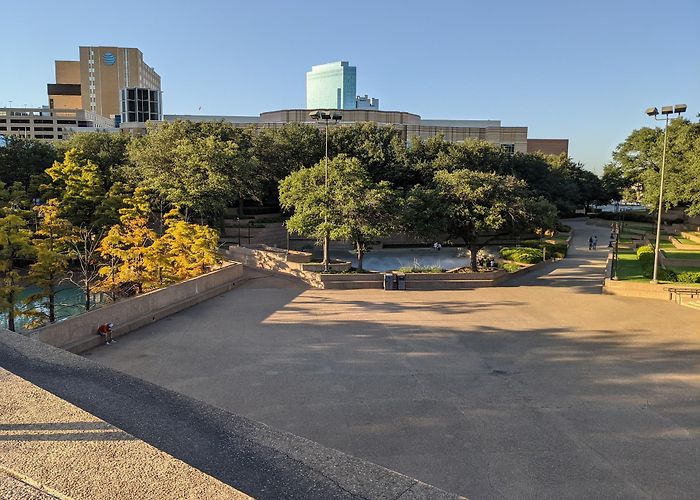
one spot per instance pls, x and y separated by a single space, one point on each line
108 58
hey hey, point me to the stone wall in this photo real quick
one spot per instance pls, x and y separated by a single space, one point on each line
79 333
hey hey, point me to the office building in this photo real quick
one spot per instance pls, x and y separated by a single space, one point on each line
51 124
94 82
140 105
366 102
334 86
331 86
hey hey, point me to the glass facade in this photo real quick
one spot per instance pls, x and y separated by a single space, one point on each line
331 86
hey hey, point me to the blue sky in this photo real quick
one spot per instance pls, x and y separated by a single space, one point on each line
579 70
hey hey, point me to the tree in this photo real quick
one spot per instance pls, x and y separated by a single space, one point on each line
380 149
355 209
187 249
20 159
639 158
84 249
186 165
51 241
107 151
14 245
78 186
473 206
126 244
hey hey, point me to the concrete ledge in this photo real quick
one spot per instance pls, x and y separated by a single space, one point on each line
352 281
272 261
79 333
636 289
684 246
254 458
673 262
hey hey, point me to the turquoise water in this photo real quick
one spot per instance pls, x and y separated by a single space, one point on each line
69 302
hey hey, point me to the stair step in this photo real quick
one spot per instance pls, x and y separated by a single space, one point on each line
695 304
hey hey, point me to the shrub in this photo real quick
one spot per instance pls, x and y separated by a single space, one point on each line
420 269
562 228
510 267
689 277
666 275
557 250
645 256
524 255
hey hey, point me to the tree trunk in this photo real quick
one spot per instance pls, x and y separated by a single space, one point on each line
11 312
473 252
87 297
360 255
52 305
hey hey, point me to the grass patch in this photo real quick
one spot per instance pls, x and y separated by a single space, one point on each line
682 254
629 267
686 241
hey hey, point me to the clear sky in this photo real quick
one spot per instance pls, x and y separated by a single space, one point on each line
583 70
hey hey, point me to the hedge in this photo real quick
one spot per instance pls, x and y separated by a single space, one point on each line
524 255
689 277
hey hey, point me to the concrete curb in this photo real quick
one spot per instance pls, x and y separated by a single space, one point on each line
250 456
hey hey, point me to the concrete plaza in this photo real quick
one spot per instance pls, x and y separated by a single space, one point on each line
541 389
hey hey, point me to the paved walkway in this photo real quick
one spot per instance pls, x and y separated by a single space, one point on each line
52 449
543 389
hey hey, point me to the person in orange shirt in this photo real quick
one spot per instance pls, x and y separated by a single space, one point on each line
106 331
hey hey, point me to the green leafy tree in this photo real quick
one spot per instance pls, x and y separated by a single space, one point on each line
355 208
107 151
472 206
20 159
186 165
15 244
639 158
51 241
79 187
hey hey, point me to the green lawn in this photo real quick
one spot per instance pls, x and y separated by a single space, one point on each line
681 254
687 241
628 267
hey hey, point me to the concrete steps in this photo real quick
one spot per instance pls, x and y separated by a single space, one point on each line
694 303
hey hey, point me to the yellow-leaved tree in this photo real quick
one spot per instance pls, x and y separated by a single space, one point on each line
126 248
185 250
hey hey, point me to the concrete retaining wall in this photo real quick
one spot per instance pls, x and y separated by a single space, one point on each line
272 261
353 281
684 246
636 289
452 281
672 262
78 333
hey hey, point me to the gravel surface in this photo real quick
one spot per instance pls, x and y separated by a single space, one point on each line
71 451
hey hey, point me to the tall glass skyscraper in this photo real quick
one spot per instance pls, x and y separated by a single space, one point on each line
331 86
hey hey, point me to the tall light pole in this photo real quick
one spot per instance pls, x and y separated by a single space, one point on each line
326 116
667 111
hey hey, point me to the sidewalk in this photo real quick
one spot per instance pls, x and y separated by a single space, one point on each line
52 449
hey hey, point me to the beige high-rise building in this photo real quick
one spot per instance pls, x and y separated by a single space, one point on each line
93 83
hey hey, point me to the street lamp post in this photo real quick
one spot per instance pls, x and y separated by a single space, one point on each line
326 116
667 111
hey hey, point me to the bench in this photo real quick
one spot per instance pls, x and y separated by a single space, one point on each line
678 293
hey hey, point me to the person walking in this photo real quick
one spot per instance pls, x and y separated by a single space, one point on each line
595 242
590 242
